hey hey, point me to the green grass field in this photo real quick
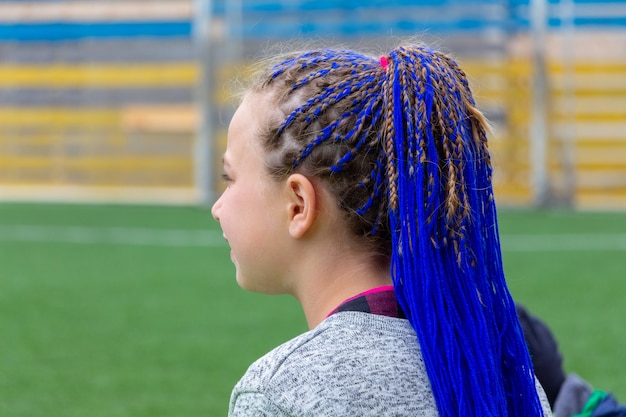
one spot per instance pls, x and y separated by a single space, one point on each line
134 311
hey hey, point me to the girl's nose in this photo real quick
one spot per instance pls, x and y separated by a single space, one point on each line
215 210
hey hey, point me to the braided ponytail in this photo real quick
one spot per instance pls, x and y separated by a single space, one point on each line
446 261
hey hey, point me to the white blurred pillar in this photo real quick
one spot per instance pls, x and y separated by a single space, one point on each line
568 156
203 149
538 115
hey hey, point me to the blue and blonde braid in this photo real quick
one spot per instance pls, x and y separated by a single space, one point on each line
446 258
403 149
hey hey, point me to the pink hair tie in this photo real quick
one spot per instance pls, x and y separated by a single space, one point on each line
384 62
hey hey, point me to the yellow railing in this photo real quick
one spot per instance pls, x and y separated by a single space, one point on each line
587 106
99 76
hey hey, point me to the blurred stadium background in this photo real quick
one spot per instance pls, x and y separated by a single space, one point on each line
128 100
110 309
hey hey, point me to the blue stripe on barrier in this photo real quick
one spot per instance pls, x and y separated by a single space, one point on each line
272 29
604 22
333 6
581 22
68 31
272 25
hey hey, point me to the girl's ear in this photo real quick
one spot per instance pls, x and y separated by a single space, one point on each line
301 204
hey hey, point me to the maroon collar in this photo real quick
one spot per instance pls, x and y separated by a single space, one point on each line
380 300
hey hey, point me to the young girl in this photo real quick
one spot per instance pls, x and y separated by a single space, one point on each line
362 187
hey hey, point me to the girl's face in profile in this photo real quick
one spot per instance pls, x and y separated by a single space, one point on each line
250 210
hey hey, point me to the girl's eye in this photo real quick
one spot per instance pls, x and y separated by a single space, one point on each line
226 178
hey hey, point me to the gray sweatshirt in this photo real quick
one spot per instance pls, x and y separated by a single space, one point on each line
352 364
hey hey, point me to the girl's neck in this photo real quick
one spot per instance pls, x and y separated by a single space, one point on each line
327 286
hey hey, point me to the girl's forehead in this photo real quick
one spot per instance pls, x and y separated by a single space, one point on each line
244 130
263 108
251 108
260 100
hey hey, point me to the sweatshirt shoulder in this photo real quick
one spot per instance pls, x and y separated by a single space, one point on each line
350 334
352 361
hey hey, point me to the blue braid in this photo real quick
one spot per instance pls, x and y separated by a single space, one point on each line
325 134
310 59
368 113
446 267
379 182
329 95
365 109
